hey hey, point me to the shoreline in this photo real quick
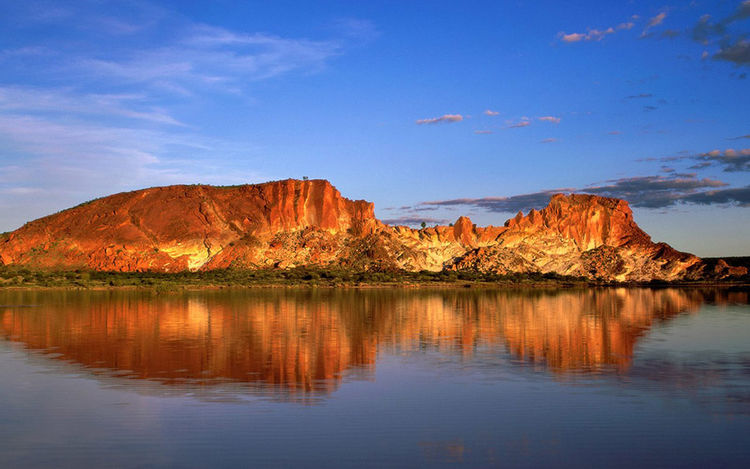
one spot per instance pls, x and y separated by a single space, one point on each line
181 287
13 278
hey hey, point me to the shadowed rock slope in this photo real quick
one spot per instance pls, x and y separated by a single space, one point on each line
292 223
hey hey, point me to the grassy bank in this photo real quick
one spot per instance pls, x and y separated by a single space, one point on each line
13 277
18 277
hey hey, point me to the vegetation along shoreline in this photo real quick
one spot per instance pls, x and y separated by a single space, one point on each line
12 277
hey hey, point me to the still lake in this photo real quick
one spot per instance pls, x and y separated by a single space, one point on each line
381 377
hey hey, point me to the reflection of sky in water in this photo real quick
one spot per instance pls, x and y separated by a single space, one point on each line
529 378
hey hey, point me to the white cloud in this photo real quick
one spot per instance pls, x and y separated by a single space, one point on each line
656 20
490 112
597 35
65 100
552 119
572 37
211 57
524 122
445 118
590 35
594 34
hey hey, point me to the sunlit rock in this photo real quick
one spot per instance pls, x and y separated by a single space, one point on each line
291 223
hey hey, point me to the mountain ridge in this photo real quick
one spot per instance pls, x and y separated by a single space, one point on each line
289 223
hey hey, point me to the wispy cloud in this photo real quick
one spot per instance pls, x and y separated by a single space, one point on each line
742 12
646 192
524 122
739 196
738 52
656 20
705 29
596 34
502 204
414 221
654 191
211 57
653 22
552 119
489 112
548 140
444 119
733 48
572 37
186 57
482 132
74 156
729 160
590 35
67 101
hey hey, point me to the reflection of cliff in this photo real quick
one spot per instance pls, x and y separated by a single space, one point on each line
305 341
589 329
275 342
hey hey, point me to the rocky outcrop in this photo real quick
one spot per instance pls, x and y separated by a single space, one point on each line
183 227
292 223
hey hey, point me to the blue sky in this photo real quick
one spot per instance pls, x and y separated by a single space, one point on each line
429 109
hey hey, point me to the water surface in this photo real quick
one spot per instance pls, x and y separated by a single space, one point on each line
535 378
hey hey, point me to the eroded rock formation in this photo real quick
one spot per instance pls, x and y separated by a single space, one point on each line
308 223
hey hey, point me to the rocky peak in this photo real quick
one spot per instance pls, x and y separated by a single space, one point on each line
293 204
464 232
590 220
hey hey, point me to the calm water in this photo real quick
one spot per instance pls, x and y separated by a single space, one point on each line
571 378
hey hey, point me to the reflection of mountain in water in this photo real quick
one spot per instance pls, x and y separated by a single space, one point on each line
295 341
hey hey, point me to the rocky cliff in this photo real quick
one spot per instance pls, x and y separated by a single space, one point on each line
293 223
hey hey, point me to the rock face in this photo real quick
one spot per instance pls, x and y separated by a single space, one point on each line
182 227
291 223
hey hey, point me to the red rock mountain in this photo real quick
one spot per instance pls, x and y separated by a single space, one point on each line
292 223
